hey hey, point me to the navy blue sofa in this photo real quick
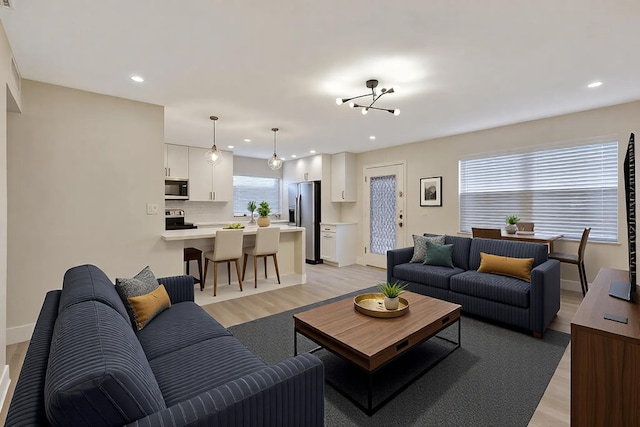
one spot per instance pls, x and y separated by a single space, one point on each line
86 365
530 306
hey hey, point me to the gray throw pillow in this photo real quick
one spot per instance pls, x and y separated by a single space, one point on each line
420 246
141 284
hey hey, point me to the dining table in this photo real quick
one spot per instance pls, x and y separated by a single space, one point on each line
533 237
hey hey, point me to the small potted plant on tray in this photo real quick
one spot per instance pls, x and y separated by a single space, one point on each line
512 224
264 210
391 292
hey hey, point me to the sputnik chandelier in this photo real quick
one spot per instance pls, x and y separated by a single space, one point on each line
371 84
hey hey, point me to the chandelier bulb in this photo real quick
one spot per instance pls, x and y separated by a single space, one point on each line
352 105
365 111
396 112
339 101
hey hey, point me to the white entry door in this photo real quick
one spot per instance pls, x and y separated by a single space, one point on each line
384 213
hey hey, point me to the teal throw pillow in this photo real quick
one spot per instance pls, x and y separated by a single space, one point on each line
439 255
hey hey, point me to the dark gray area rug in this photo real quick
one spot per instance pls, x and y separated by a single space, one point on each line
496 377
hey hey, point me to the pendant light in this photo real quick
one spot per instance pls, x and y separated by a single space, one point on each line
214 156
274 162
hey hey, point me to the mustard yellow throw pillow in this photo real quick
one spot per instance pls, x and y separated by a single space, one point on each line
519 268
146 307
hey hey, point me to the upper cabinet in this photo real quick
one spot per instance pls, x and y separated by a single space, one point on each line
343 177
176 161
210 183
305 169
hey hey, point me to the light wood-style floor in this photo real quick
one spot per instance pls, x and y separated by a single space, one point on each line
324 282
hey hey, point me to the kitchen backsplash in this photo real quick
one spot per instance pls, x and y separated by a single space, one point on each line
202 211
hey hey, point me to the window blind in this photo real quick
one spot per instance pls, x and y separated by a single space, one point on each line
561 190
255 188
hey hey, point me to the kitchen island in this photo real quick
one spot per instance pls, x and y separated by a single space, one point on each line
291 255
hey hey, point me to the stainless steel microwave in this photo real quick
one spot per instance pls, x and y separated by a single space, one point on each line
176 188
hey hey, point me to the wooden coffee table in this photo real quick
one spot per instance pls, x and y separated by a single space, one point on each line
370 342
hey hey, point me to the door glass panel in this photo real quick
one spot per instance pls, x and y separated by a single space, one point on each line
382 214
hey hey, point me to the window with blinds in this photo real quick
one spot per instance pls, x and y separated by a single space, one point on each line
561 190
255 188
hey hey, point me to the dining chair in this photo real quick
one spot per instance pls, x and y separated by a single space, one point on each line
525 226
576 259
227 248
486 233
267 245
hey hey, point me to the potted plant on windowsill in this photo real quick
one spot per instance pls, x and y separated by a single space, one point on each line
391 292
512 224
264 210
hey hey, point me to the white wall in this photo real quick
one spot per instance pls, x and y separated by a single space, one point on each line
439 157
81 169
5 79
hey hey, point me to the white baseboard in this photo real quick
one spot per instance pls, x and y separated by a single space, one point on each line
20 333
570 285
5 380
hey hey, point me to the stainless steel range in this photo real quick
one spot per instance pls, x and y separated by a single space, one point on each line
174 220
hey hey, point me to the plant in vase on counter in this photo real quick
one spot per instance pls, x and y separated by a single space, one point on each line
391 292
512 224
251 207
264 210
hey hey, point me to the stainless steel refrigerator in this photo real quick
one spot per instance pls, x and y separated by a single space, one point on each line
304 211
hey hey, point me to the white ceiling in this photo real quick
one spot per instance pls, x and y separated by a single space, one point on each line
457 65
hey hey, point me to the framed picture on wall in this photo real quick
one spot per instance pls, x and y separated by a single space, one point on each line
431 191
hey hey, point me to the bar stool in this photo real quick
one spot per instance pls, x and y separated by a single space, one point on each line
193 254
576 259
267 244
227 248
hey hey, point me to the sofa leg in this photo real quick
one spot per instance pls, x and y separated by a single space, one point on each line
537 334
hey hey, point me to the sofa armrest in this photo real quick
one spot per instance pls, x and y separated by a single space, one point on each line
179 288
545 295
290 393
397 256
27 404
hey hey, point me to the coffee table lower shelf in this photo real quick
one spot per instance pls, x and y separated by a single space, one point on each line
369 408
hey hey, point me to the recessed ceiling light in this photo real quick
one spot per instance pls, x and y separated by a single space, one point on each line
283 158
137 79
229 146
372 137
247 140
312 151
294 156
594 84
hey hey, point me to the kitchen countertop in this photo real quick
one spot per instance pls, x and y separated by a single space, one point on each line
241 220
210 232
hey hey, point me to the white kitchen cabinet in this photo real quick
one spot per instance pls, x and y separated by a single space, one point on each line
343 177
338 243
210 183
305 169
176 160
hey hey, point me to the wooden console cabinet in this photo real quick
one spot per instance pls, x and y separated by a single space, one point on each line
605 358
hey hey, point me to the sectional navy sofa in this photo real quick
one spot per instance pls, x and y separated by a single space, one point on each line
526 305
86 365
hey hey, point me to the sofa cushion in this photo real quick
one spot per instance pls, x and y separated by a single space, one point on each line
494 287
427 274
508 248
89 283
146 307
141 284
192 370
98 373
520 268
420 247
461 246
439 255
183 325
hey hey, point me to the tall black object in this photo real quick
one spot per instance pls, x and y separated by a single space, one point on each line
304 200
624 290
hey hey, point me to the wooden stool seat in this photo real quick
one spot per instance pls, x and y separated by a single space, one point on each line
194 254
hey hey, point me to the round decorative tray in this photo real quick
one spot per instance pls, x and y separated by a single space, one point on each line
373 305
